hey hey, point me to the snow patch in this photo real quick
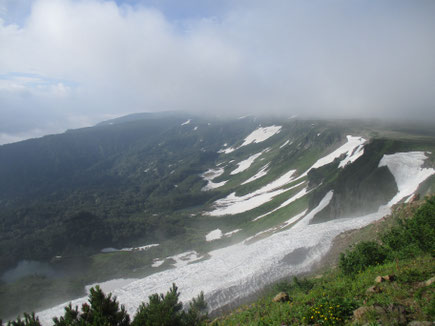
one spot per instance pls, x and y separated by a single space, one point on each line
257 136
300 194
210 175
185 258
407 171
142 248
227 150
230 233
233 204
245 164
352 156
287 142
214 235
261 134
111 285
323 203
349 148
217 234
278 227
157 262
261 173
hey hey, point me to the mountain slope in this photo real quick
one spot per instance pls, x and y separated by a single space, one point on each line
253 187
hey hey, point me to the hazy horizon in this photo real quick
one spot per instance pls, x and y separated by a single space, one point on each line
72 63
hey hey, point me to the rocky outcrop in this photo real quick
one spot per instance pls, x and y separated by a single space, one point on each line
281 297
386 278
392 314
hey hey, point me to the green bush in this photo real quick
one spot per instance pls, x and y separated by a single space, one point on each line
410 238
101 310
365 254
303 285
28 320
166 310
413 236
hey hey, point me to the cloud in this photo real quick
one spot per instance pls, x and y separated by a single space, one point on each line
335 58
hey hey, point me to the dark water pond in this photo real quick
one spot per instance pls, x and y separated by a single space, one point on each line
28 268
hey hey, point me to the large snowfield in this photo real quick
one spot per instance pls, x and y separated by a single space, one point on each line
242 269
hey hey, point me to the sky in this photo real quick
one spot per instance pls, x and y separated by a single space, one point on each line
72 63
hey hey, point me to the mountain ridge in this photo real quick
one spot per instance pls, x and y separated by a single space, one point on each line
144 184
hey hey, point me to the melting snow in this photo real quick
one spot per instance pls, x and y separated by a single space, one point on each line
227 150
278 227
213 235
185 258
157 262
230 233
287 142
258 175
243 269
143 248
217 234
211 174
245 164
111 285
407 171
186 122
233 204
352 156
257 136
261 134
237 269
300 194
349 148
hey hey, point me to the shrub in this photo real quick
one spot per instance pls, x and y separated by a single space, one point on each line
365 254
302 285
413 236
28 320
101 310
166 310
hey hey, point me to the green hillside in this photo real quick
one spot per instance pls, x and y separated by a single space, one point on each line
138 180
354 292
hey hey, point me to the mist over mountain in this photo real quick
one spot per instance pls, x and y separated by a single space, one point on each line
179 194
70 64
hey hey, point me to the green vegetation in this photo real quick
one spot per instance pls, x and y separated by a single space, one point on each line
411 238
365 254
404 253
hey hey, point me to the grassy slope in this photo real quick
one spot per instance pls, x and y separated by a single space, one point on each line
341 295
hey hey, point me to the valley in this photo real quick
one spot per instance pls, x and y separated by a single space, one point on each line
224 206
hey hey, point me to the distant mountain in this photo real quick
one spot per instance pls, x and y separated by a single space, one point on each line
176 186
144 116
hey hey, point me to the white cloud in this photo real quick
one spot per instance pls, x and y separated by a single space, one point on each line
340 58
